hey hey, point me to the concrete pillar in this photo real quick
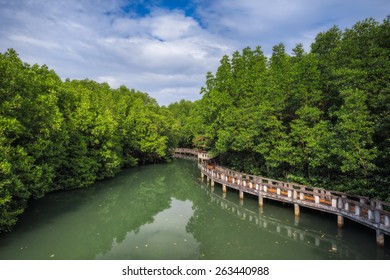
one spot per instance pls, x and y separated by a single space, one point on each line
278 191
377 215
387 221
265 188
370 214
340 203
317 199
212 182
340 221
250 185
224 188
302 196
357 210
346 206
295 194
234 180
212 188
201 175
289 193
296 210
257 186
260 200
241 195
380 238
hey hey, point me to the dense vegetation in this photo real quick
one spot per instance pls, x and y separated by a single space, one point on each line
320 118
58 135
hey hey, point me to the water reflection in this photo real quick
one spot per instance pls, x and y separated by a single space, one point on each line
165 238
332 245
85 224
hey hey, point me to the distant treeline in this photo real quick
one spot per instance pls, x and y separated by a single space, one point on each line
320 117
58 135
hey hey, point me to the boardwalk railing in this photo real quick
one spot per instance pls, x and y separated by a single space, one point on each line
201 155
368 212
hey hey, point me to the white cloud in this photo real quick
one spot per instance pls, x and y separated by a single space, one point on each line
81 39
269 22
165 52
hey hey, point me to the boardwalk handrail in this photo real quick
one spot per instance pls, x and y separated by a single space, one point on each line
361 209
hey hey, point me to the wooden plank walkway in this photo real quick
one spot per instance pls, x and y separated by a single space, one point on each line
368 212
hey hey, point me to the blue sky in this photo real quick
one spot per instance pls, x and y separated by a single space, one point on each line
161 47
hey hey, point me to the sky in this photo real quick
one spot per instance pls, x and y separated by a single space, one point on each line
164 48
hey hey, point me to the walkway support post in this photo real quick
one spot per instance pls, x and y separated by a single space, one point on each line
296 210
241 195
260 200
224 188
380 238
340 221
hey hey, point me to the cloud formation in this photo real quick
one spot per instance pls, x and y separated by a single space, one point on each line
162 49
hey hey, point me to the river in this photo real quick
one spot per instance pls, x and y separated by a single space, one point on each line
164 211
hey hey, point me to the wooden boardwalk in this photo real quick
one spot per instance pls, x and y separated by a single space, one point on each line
368 212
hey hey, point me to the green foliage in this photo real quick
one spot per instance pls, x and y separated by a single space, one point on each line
320 118
58 135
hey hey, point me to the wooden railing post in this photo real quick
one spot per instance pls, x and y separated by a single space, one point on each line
357 210
340 203
378 207
334 202
387 221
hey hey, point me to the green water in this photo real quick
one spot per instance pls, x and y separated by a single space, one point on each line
165 212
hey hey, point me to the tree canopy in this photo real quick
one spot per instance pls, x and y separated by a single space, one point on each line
320 117
58 135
